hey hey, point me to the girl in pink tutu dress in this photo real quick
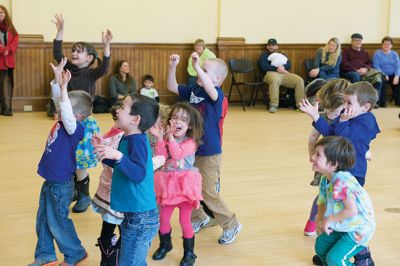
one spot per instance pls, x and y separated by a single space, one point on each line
178 182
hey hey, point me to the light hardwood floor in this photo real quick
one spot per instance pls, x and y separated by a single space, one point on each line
265 181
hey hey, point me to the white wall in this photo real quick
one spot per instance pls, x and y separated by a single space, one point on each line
183 21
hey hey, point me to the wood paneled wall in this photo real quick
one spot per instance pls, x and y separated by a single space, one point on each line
33 74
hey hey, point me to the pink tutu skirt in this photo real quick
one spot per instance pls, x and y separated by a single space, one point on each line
175 187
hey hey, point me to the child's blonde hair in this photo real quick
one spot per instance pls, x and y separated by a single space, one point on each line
331 95
221 68
365 93
81 103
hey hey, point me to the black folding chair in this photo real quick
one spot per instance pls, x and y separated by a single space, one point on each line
250 79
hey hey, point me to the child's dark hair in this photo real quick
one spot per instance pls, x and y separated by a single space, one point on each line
195 125
146 108
331 95
90 49
148 77
81 103
338 150
364 91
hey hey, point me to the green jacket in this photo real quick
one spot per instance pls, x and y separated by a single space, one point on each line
204 56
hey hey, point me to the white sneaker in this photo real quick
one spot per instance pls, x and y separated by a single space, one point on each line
200 224
228 236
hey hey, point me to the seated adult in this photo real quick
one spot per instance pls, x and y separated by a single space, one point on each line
387 61
121 83
356 64
327 61
277 75
204 54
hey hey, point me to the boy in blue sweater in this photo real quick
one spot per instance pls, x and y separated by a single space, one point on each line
132 187
57 166
358 125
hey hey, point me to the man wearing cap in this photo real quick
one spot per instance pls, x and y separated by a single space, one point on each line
356 64
277 74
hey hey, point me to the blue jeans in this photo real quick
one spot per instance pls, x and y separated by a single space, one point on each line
137 231
52 223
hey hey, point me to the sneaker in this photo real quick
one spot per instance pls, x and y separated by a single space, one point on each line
76 264
43 262
212 223
272 108
200 224
310 228
228 236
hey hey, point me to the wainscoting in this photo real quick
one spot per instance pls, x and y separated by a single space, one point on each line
33 74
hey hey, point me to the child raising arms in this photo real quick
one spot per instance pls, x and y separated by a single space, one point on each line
57 166
132 185
83 78
178 183
346 221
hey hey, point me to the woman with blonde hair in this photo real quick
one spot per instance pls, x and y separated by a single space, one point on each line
327 61
204 53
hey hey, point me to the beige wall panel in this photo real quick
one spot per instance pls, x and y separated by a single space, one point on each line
305 21
150 21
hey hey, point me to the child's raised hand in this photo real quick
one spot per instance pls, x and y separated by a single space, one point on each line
57 70
106 37
64 79
97 139
348 114
59 21
195 59
157 131
309 109
174 60
169 133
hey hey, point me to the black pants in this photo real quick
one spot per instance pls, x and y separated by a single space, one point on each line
395 88
3 74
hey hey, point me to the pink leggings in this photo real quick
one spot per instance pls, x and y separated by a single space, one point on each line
185 213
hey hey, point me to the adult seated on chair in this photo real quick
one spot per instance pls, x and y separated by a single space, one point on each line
356 64
121 83
204 54
327 61
387 61
279 75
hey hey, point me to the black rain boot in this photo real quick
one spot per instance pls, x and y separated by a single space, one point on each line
165 246
75 197
83 201
188 252
109 252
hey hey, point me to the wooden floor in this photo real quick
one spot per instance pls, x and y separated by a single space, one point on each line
265 181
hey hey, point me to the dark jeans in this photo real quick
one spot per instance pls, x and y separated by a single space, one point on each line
395 88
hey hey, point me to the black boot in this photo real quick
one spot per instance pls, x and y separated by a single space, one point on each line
83 201
364 258
165 246
109 252
188 252
7 112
